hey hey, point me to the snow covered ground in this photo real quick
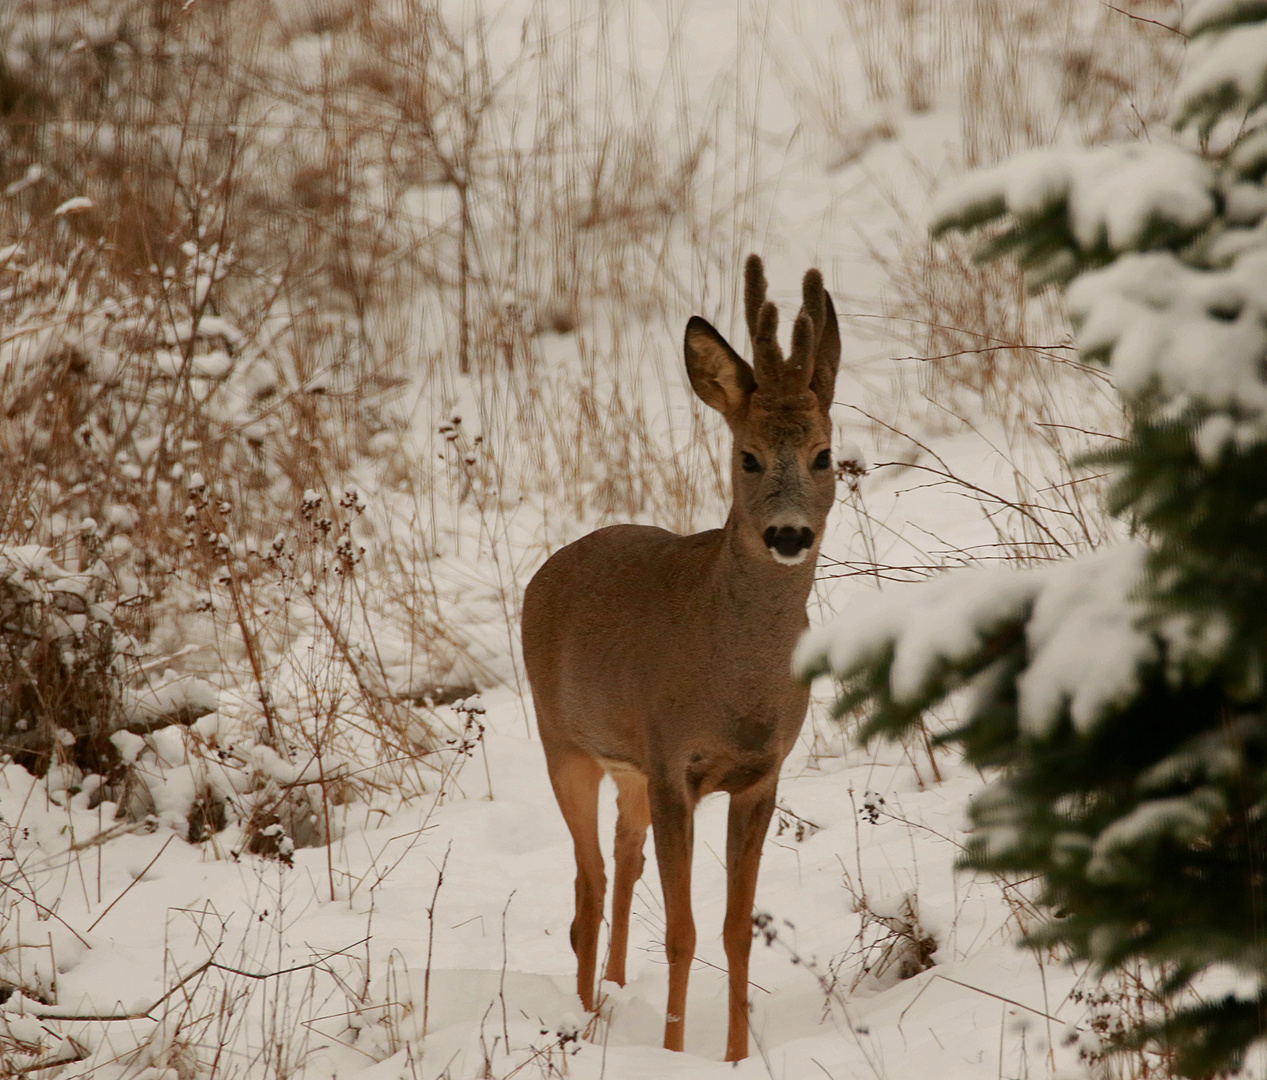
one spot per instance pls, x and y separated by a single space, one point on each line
429 937
856 876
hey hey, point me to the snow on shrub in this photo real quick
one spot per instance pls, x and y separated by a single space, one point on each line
1079 620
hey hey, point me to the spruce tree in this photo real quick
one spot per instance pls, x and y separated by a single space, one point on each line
1121 698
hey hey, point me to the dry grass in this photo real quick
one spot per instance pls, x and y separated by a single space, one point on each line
295 244
1003 63
251 267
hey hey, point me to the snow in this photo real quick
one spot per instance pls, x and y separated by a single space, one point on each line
327 961
1227 66
73 206
1112 195
1084 642
1182 819
1196 337
187 696
34 174
510 856
206 326
941 623
1085 645
1206 15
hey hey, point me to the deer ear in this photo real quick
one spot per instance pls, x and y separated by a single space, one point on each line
720 377
826 356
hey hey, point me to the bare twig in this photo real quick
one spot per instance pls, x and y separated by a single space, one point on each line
131 884
50 1012
431 933
1141 18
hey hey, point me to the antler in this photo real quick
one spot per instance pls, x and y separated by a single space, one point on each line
808 329
763 324
753 292
815 338
813 302
824 352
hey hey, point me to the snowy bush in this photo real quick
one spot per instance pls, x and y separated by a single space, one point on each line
58 666
1122 696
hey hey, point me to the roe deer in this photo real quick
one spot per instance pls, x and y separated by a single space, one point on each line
665 660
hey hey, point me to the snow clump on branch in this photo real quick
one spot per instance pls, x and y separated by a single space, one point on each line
1081 621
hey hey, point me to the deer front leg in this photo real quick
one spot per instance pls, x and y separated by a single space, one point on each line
673 826
747 824
575 779
634 815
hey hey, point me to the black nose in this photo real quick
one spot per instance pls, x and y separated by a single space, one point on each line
788 541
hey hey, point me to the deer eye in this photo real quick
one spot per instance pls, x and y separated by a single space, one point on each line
823 460
749 462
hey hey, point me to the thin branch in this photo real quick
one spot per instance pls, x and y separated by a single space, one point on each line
131 883
55 1063
985 493
431 930
1081 431
1140 18
991 993
51 1013
1040 349
44 908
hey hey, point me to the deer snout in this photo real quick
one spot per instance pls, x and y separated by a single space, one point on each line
788 543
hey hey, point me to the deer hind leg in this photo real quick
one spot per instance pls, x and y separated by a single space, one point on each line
575 779
673 826
747 824
634 815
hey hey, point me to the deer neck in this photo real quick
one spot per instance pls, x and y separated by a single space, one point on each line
766 596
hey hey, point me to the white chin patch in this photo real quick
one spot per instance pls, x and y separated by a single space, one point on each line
789 560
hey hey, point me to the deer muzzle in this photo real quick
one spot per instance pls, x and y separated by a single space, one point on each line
788 543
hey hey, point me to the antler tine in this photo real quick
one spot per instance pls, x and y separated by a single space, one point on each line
813 303
753 293
800 365
808 328
767 357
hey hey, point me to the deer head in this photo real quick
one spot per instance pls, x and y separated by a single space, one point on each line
777 410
